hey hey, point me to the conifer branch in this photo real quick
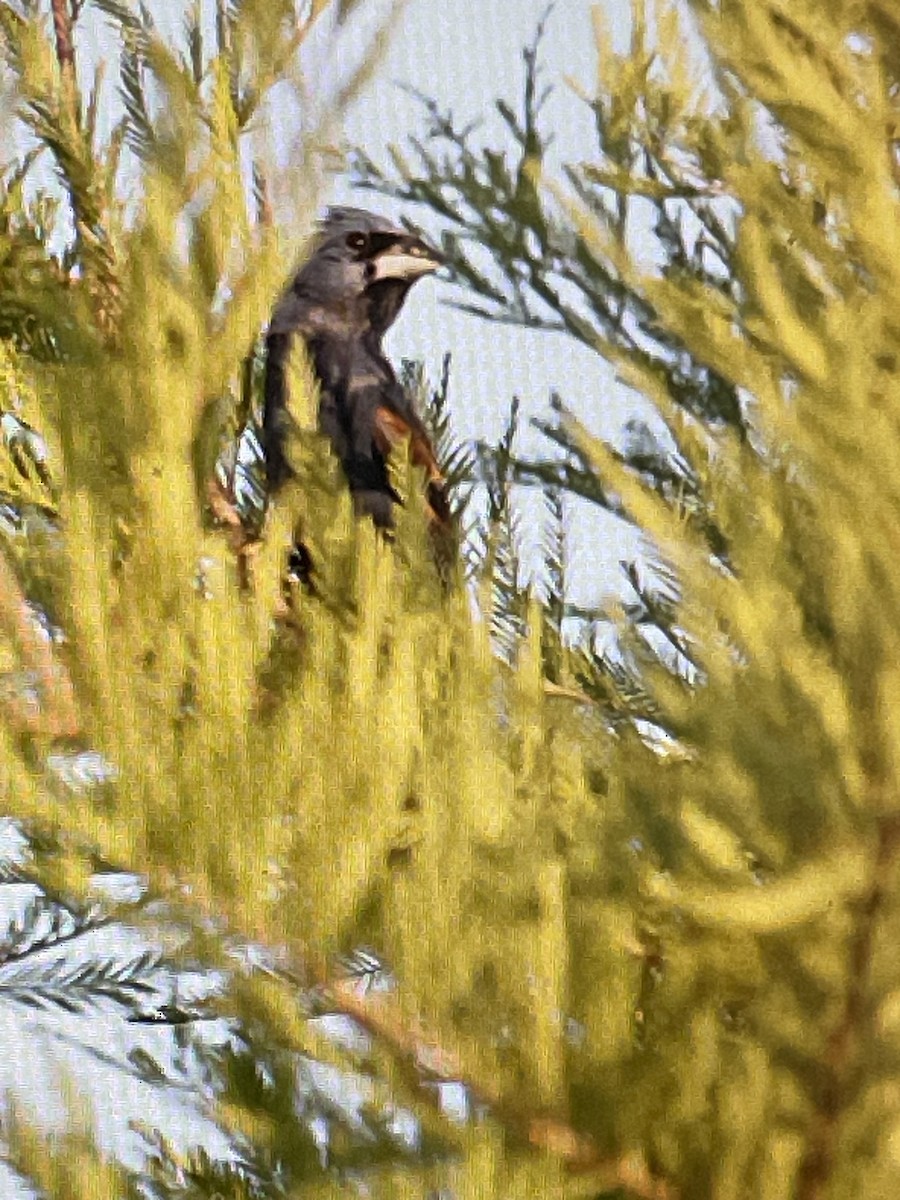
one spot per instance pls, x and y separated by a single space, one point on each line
74 986
55 714
65 48
63 926
419 1056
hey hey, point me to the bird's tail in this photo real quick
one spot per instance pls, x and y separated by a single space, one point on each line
438 499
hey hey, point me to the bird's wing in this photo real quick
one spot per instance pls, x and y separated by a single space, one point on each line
394 421
390 430
366 416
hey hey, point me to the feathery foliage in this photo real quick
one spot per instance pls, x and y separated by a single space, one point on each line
642 918
758 143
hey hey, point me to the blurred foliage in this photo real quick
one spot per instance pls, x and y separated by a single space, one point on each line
424 899
727 246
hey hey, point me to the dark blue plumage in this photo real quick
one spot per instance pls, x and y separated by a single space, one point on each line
342 302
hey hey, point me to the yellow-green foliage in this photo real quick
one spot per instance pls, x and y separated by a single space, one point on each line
668 972
771 852
66 1164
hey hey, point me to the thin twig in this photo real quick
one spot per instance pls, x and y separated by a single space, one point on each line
559 691
62 29
420 1057
56 716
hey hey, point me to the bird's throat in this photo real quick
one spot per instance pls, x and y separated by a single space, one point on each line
385 299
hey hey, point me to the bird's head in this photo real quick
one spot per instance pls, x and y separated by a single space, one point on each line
358 275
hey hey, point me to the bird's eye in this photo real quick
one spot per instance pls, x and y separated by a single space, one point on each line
356 241
417 251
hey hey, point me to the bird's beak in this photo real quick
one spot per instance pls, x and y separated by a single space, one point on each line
406 260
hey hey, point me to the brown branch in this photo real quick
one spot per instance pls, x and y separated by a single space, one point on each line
243 544
559 692
92 237
65 56
62 29
265 214
421 1058
56 715
223 29
843 1046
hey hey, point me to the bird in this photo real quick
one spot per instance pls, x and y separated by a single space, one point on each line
341 303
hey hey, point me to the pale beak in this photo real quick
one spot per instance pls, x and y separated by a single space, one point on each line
405 262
